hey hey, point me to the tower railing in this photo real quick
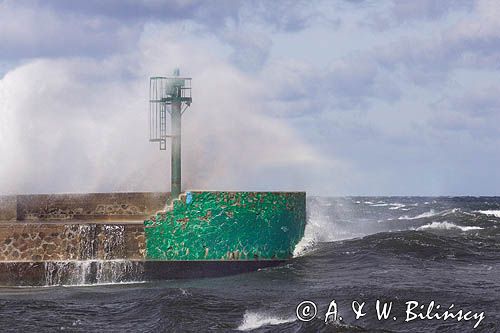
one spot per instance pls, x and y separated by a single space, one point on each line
172 95
162 92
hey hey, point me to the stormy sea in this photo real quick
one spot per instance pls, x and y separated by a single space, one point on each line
428 254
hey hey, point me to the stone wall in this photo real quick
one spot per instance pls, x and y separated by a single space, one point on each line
59 242
8 208
88 206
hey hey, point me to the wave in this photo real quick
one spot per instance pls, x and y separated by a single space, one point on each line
490 212
330 224
446 226
396 205
253 320
430 213
321 229
304 246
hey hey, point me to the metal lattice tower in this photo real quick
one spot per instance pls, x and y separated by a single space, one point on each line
170 95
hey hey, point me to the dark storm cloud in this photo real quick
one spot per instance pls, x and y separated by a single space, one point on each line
38 31
210 13
347 83
284 15
427 9
404 12
127 9
58 28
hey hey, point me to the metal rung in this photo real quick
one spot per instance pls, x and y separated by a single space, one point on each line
163 91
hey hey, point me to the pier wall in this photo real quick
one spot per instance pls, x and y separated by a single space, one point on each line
134 206
71 241
8 208
200 225
228 226
123 237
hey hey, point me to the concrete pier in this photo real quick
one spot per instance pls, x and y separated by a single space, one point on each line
129 237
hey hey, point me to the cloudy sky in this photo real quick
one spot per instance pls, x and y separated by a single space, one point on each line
332 97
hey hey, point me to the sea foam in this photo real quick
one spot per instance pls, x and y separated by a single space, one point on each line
253 320
430 213
396 205
383 204
495 213
446 226
304 246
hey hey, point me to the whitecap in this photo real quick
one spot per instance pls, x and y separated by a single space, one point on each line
380 205
396 205
490 212
446 226
253 320
451 211
420 216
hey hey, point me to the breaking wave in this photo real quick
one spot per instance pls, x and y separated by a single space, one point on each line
446 226
380 205
495 213
253 320
396 205
305 245
430 213
318 229
350 218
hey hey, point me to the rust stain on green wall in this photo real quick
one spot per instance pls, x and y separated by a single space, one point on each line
228 226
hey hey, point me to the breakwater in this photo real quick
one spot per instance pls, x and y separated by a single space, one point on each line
130 237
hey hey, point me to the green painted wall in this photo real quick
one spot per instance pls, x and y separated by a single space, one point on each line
228 225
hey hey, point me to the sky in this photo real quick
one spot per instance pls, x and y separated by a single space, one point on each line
330 97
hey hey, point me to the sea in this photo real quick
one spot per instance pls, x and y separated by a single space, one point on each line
365 264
